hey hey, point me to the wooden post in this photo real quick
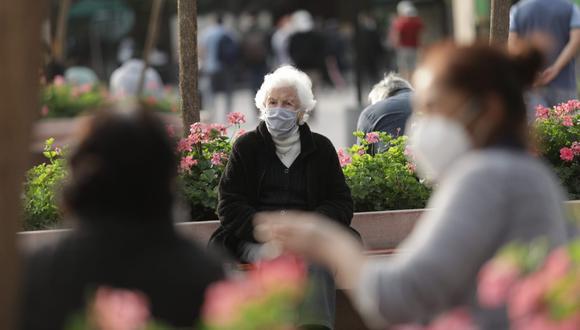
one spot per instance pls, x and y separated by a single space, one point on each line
150 42
187 16
20 23
499 26
61 31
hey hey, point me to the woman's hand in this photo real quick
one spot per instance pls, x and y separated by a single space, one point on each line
314 237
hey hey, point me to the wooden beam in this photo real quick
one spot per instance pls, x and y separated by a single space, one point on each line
187 16
59 47
499 21
20 23
150 42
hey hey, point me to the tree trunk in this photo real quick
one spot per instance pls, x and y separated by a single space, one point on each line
150 42
61 31
499 26
187 16
20 23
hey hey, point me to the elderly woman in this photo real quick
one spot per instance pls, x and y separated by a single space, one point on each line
282 166
469 135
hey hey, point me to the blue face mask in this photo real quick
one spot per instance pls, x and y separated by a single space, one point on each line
281 121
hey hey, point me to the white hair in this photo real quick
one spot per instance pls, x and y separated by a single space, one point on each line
387 87
406 8
287 76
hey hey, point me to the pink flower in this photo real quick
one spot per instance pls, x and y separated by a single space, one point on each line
566 154
496 279
285 273
59 81
151 100
117 309
542 112
152 85
75 92
85 88
216 158
186 163
372 137
567 121
343 158
44 111
236 118
542 321
557 264
576 148
527 296
199 133
220 128
361 151
184 144
411 167
223 301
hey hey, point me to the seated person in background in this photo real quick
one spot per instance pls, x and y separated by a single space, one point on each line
124 80
389 110
283 166
470 135
121 191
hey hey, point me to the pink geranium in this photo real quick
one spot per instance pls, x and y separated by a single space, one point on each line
117 309
185 144
286 273
372 137
199 133
217 158
186 163
576 148
495 281
85 88
44 111
220 128
170 130
567 154
526 298
567 121
542 112
343 158
236 118
59 81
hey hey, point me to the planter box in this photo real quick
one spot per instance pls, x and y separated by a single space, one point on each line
380 231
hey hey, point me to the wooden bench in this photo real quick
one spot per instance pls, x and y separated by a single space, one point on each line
381 231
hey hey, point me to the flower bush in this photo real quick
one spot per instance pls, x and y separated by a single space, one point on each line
558 132
42 181
540 292
60 99
267 297
384 181
203 155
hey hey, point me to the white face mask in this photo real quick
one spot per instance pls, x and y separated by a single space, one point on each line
436 142
281 121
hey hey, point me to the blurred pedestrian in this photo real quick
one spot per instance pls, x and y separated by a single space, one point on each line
371 48
219 55
124 81
280 40
389 110
307 47
405 35
283 166
559 20
469 136
121 191
254 50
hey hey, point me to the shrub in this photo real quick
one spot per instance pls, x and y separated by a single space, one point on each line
203 155
42 181
558 132
384 181
60 99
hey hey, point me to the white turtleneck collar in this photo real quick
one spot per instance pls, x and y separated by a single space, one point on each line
288 147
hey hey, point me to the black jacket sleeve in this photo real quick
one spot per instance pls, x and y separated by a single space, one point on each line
337 204
234 209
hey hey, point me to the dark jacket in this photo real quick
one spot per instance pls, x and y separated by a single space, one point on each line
171 271
389 115
239 189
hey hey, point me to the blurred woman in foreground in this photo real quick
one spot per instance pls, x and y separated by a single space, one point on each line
468 134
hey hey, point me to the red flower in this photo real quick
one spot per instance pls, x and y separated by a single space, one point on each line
184 144
566 154
567 121
496 279
186 164
576 148
372 137
116 309
542 112
343 158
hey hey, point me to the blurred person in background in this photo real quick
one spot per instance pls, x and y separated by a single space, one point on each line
283 166
371 48
280 40
469 134
405 35
307 47
121 192
389 110
559 20
219 53
124 81
255 50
